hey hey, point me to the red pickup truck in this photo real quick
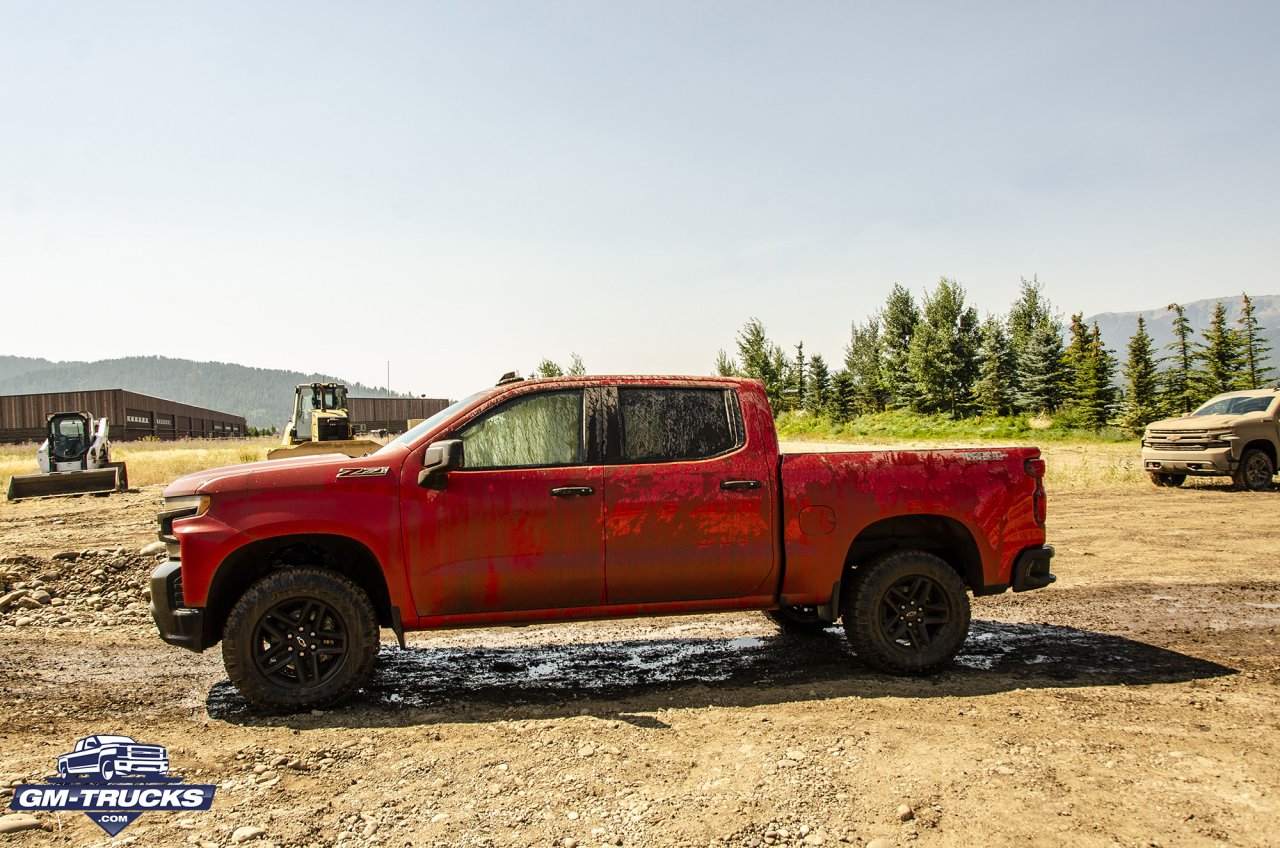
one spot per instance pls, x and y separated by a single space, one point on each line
588 497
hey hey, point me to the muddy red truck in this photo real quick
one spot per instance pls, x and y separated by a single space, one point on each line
587 498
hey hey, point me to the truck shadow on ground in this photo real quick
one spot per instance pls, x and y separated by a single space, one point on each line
623 678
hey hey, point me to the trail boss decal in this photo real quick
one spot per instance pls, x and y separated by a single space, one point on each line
380 471
113 780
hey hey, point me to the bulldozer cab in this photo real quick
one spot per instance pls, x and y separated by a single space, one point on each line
319 414
321 424
69 436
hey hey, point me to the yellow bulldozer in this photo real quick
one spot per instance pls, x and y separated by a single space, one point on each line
321 424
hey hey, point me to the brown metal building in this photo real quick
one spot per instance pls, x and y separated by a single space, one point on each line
391 414
132 416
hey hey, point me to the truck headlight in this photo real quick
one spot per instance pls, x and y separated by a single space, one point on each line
189 506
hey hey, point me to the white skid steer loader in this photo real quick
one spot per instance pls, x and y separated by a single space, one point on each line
75 459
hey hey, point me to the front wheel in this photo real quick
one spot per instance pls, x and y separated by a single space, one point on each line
1255 471
300 638
906 612
107 768
800 620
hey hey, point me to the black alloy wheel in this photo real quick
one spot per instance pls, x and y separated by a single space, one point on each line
915 612
300 638
906 612
301 643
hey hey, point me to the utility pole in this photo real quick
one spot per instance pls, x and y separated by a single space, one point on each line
388 375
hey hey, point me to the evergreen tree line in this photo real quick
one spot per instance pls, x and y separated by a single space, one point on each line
936 356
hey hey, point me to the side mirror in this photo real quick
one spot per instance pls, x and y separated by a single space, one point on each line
438 459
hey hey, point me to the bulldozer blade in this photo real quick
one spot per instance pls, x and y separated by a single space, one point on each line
348 447
60 483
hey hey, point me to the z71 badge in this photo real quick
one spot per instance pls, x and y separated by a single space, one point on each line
380 471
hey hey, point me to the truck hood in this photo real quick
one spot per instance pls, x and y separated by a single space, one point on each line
232 477
1198 422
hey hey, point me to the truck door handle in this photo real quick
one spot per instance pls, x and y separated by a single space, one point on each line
572 491
739 485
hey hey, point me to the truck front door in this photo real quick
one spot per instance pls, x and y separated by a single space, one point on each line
519 526
689 507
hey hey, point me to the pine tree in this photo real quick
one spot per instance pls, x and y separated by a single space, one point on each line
943 358
548 368
993 393
865 366
726 365
1255 371
762 360
1075 360
1179 395
799 378
1141 382
1040 369
576 366
840 405
1095 392
1220 356
819 394
1029 311
898 323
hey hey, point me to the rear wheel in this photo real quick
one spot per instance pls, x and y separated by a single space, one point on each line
1255 471
300 638
906 612
1168 480
798 619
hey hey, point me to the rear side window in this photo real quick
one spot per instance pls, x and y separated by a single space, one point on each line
665 425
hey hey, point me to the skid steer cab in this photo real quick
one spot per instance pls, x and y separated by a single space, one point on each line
74 459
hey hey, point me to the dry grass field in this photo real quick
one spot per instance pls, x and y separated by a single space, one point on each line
155 462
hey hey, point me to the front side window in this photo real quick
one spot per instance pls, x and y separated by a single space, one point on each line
534 430
667 425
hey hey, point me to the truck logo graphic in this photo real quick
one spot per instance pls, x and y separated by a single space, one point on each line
109 757
113 779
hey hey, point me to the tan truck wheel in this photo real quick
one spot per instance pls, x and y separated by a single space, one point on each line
1255 471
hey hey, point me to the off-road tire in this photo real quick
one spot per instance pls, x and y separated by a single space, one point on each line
292 594
906 612
1168 481
798 620
1255 471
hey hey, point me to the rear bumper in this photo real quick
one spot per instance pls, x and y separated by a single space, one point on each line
1216 462
1031 570
178 625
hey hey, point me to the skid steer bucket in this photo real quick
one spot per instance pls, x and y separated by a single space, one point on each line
113 478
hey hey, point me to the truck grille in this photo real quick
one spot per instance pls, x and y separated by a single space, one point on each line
1187 440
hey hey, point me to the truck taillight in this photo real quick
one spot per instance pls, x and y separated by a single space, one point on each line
1035 469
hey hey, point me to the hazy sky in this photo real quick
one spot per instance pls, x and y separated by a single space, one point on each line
463 188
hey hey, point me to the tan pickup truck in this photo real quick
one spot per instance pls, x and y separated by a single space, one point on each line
1233 435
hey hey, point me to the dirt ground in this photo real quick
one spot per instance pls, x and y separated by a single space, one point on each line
1133 703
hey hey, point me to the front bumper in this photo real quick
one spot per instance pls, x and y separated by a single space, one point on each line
178 625
1031 570
1212 462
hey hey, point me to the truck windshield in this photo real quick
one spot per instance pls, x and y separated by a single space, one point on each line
431 423
1234 405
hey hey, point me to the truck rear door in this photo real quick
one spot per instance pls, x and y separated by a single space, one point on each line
689 507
